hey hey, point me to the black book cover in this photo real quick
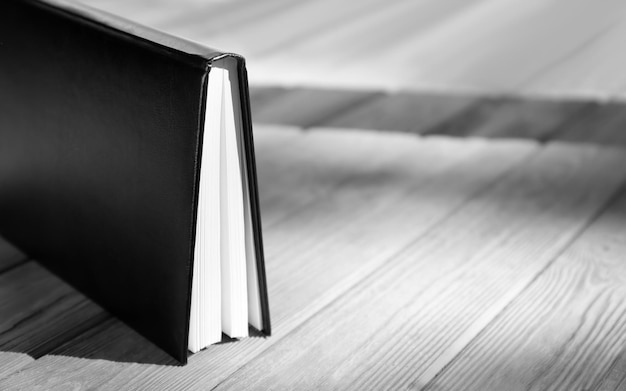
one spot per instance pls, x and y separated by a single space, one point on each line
101 124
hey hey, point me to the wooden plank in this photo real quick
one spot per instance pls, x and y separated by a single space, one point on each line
294 167
407 112
132 347
512 117
39 312
368 194
443 45
306 107
9 255
564 331
317 255
594 71
494 47
10 362
300 176
399 327
489 46
615 378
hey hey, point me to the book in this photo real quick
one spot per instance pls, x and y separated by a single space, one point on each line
127 168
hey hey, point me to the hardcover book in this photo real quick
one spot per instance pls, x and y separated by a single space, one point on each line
127 168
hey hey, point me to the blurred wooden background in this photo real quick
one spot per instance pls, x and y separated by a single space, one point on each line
570 48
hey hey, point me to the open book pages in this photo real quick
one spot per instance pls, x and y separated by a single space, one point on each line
225 292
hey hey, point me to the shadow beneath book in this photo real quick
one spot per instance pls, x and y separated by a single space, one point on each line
42 315
112 340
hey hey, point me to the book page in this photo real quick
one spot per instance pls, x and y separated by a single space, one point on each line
255 317
205 325
234 276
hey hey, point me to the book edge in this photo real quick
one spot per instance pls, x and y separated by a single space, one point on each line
254 190
156 39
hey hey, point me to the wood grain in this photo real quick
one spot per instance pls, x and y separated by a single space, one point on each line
595 70
399 327
375 209
11 362
483 46
297 168
39 312
389 256
317 255
615 378
564 331
510 47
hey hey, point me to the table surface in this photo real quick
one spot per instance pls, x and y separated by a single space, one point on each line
435 241
410 258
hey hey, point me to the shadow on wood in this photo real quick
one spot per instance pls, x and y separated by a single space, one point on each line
371 236
439 113
40 313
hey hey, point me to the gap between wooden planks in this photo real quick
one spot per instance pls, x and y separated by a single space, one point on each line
319 253
565 330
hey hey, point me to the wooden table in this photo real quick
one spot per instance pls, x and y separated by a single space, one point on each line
394 259
422 240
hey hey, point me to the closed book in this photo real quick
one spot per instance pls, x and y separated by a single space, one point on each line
127 168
